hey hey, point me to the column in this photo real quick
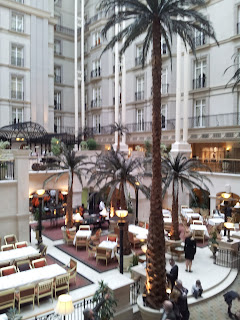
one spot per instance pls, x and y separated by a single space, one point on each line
75 69
116 81
82 69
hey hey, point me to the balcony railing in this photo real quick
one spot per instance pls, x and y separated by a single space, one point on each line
96 103
65 30
200 82
6 170
223 165
217 120
17 61
139 95
18 95
57 106
200 40
96 73
164 88
57 79
138 61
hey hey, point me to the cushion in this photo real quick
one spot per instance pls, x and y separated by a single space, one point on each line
24 267
8 271
21 245
112 239
39 264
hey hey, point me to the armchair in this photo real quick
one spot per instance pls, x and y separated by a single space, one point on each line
39 263
72 270
84 227
10 239
81 242
25 294
44 289
103 254
7 299
23 265
21 244
61 283
133 240
6 271
95 239
7 247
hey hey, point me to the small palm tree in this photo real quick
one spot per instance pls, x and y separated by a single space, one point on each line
69 163
157 21
120 129
180 171
113 170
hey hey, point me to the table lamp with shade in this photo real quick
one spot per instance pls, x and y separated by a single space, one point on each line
64 305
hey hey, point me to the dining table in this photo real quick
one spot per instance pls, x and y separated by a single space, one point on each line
112 245
192 216
215 221
186 210
20 253
199 227
82 233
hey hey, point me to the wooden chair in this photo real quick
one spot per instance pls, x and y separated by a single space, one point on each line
23 265
198 222
95 239
91 250
133 240
198 235
5 264
81 242
25 294
6 271
21 244
10 239
43 250
44 289
39 263
72 270
7 247
69 236
84 227
112 237
61 283
147 225
103 254
34 257
7 299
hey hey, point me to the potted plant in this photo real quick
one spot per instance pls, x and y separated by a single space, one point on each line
13 314
212 241
107 309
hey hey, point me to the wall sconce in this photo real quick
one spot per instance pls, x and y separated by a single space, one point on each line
40 192
64 193
225 195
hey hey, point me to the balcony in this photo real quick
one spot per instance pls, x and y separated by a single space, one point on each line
96 103
98 42
164 89
57 79
200 40
139 95
58 52
200 82
18 95
17 61
64 30
96 73
213 121
223 165
138 61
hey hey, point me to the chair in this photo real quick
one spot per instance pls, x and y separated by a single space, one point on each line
198 235
25 294
5 264
7 299
141 224
69 236
91 250
81 242
23 265
44 289
103 254
96 237
21 244
61 283
39 263
198 222
147 225
43 250
84 227
6 271
10 239
133 240
112 237
7 247
72 270
34 257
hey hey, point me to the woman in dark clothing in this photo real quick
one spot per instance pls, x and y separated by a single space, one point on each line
190 250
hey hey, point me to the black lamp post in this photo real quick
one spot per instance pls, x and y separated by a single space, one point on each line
40 194
136 193
121 214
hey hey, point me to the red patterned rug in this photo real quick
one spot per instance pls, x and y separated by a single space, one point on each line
80 280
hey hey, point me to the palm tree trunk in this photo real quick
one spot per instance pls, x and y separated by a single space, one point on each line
156 273
118 145
175 224
69 205
126 242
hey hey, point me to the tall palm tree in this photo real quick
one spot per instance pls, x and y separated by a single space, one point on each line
111 170
180 171
157 20
69 163
120 129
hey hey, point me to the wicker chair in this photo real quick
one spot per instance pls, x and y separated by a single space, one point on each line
61 283
72 270
81 242
95 239
103 254
44 289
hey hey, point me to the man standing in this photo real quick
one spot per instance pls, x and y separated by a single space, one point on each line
173 274
179 296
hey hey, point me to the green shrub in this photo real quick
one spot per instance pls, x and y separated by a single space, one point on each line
84 145
92 144
56 146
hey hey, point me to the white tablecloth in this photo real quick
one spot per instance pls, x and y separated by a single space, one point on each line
166 213
215 221
190 216
167 220
82 233
32 276
186 210
109 245
199 227
137 230
216 215
19 253
77 217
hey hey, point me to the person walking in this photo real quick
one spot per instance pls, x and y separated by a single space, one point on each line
173 274
229 297
190 251
179 296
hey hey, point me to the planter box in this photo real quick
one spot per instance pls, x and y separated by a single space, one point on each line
148 313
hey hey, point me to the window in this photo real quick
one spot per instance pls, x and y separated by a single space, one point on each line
17 87
164 116
119 92
57 74
199 39
200 113
96 39
139 95
200 74
164 87
164 48
57 47
19 1
97 100
86 100
17 115
97 123
57 124
17 22
140 120
139 55
85 46
96 68
17 55
57 100
238 20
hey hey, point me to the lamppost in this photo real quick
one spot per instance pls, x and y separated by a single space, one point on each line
40 193
121 214
136 192
229 226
